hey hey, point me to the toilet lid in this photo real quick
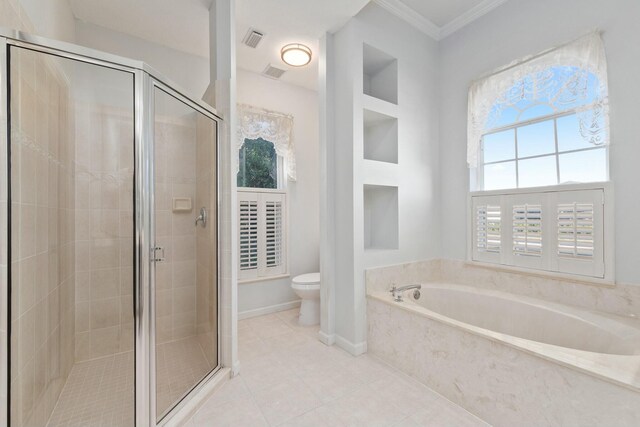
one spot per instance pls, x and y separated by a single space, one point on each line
307 279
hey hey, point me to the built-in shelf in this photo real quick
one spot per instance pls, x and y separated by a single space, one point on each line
380 136
380 217
379 106
380 72
379 173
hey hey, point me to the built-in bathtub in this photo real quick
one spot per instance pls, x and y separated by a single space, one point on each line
511 359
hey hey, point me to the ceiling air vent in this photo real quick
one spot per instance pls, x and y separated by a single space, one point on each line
252 38
273 72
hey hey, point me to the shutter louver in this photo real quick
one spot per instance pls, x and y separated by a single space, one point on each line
488 228
273 236
248 241
527 230
576 230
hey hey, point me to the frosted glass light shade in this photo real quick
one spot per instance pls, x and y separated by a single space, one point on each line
296 54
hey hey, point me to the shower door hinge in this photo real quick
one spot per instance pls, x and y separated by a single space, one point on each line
157 254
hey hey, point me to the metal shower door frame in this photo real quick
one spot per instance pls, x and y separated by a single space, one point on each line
145 80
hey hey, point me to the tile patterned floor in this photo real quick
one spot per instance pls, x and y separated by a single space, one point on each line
99 393
288 378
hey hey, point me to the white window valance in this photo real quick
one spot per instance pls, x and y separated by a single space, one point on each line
254 123
569 77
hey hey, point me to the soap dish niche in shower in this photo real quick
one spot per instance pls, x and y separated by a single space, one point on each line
182 204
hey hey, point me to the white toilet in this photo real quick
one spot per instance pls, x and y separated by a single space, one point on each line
307 287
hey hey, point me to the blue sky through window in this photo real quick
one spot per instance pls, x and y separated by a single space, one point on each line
543 152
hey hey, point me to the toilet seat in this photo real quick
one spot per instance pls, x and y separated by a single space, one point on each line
306 281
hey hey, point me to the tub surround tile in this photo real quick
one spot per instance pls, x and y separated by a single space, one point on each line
621 299
500 384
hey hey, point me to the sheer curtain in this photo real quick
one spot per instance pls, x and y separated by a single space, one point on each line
562 77
254 122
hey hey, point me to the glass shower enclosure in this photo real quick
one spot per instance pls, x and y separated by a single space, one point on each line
108 239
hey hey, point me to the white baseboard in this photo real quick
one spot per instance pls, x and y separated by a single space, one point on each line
235 370
354 349
326 339
268 310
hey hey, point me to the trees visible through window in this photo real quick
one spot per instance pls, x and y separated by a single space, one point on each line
258 166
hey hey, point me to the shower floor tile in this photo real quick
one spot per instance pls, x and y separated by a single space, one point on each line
99 393
289 378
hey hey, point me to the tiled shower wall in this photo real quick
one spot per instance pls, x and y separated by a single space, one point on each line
42 236
175 177
206 240
104 230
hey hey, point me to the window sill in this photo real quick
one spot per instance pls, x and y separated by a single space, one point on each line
262 190
563 277
551 188
263 279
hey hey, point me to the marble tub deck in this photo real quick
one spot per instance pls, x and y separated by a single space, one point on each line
500 382
623 370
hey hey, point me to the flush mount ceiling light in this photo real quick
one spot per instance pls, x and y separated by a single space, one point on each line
296 54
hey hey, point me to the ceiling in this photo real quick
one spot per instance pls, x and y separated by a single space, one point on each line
184 24
439 18
289 21
179 24
441 12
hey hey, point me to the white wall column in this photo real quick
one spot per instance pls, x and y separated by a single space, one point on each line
327 190
222 94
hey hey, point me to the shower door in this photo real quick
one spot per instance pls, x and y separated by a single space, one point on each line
184 280
71 258
108 239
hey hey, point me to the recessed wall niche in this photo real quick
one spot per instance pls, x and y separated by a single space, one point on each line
380 137
380 77
380 217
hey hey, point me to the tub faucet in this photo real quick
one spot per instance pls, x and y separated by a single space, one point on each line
397 291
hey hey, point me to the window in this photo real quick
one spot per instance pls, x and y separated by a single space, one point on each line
261 211
542 122
266 161
542 152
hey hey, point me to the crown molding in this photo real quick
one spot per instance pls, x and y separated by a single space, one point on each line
469 16
409 15
401 10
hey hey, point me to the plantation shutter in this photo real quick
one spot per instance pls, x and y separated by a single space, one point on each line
272 263
579 239
262 234
248 235
560 231
487 229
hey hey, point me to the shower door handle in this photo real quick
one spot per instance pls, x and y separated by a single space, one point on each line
158 254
